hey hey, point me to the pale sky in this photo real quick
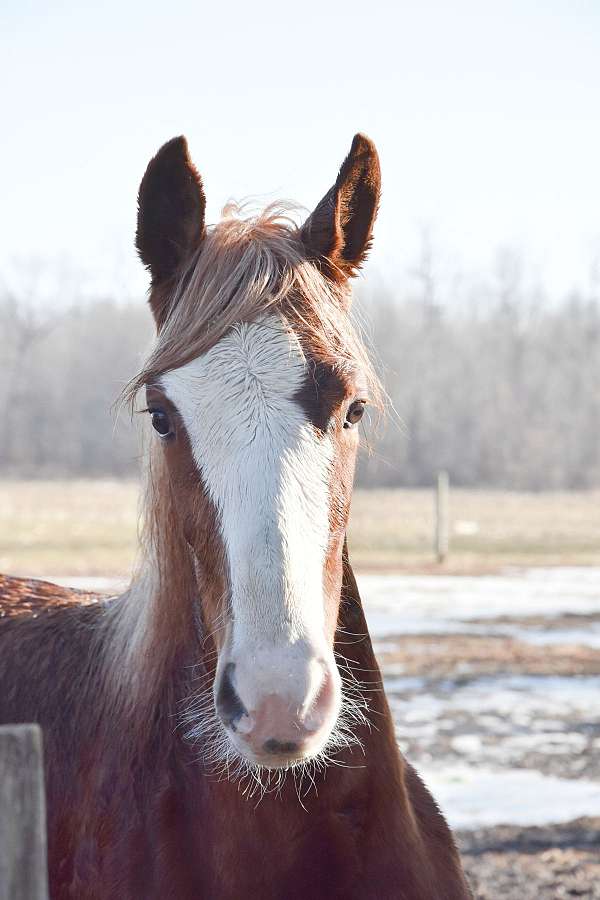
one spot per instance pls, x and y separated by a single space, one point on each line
485 114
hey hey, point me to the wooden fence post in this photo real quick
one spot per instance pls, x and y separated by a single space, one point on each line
23 864
441 517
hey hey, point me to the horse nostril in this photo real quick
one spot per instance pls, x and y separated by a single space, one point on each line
273 746
229 706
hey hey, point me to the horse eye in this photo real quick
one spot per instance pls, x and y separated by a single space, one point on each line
355 413
161 423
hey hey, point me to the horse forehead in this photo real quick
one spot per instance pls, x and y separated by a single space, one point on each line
262 354
257 367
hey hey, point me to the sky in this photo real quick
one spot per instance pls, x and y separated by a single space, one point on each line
485 115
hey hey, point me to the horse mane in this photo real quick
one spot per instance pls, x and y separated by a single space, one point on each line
155 620
247 268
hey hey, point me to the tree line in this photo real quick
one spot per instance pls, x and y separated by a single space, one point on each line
491 381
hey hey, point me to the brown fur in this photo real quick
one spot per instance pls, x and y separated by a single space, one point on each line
171 218
134 809
339 232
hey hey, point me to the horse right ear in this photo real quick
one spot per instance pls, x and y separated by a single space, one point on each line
171 208
338 234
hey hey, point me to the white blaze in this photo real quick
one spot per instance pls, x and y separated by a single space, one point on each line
267 473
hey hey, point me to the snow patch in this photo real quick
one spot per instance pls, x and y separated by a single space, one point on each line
470 798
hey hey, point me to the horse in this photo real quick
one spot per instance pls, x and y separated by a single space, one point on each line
220 729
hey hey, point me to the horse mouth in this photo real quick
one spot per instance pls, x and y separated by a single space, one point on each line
274 753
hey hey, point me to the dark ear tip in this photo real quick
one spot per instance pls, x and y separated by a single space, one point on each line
360 141
172 154
175 150
363 157
361 144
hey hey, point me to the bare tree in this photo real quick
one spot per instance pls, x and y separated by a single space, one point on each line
488 381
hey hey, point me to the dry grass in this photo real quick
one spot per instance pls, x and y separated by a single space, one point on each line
89 528
68 527
488 529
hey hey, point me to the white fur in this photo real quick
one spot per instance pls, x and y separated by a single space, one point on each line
267 472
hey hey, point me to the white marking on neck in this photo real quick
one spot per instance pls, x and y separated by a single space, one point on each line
266 471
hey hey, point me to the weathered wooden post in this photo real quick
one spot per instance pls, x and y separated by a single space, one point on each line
441 517
23 864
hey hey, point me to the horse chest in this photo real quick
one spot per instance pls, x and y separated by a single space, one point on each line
204 841
274 848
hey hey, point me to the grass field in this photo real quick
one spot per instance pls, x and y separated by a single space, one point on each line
89 528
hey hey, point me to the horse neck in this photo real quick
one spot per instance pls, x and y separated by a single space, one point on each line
404 805
356 658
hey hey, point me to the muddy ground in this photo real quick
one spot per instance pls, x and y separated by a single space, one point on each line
537 863
509 694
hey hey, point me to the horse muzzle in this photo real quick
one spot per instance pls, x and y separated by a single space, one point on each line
280 705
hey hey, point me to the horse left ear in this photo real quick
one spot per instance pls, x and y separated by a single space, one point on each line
339 232
171 207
